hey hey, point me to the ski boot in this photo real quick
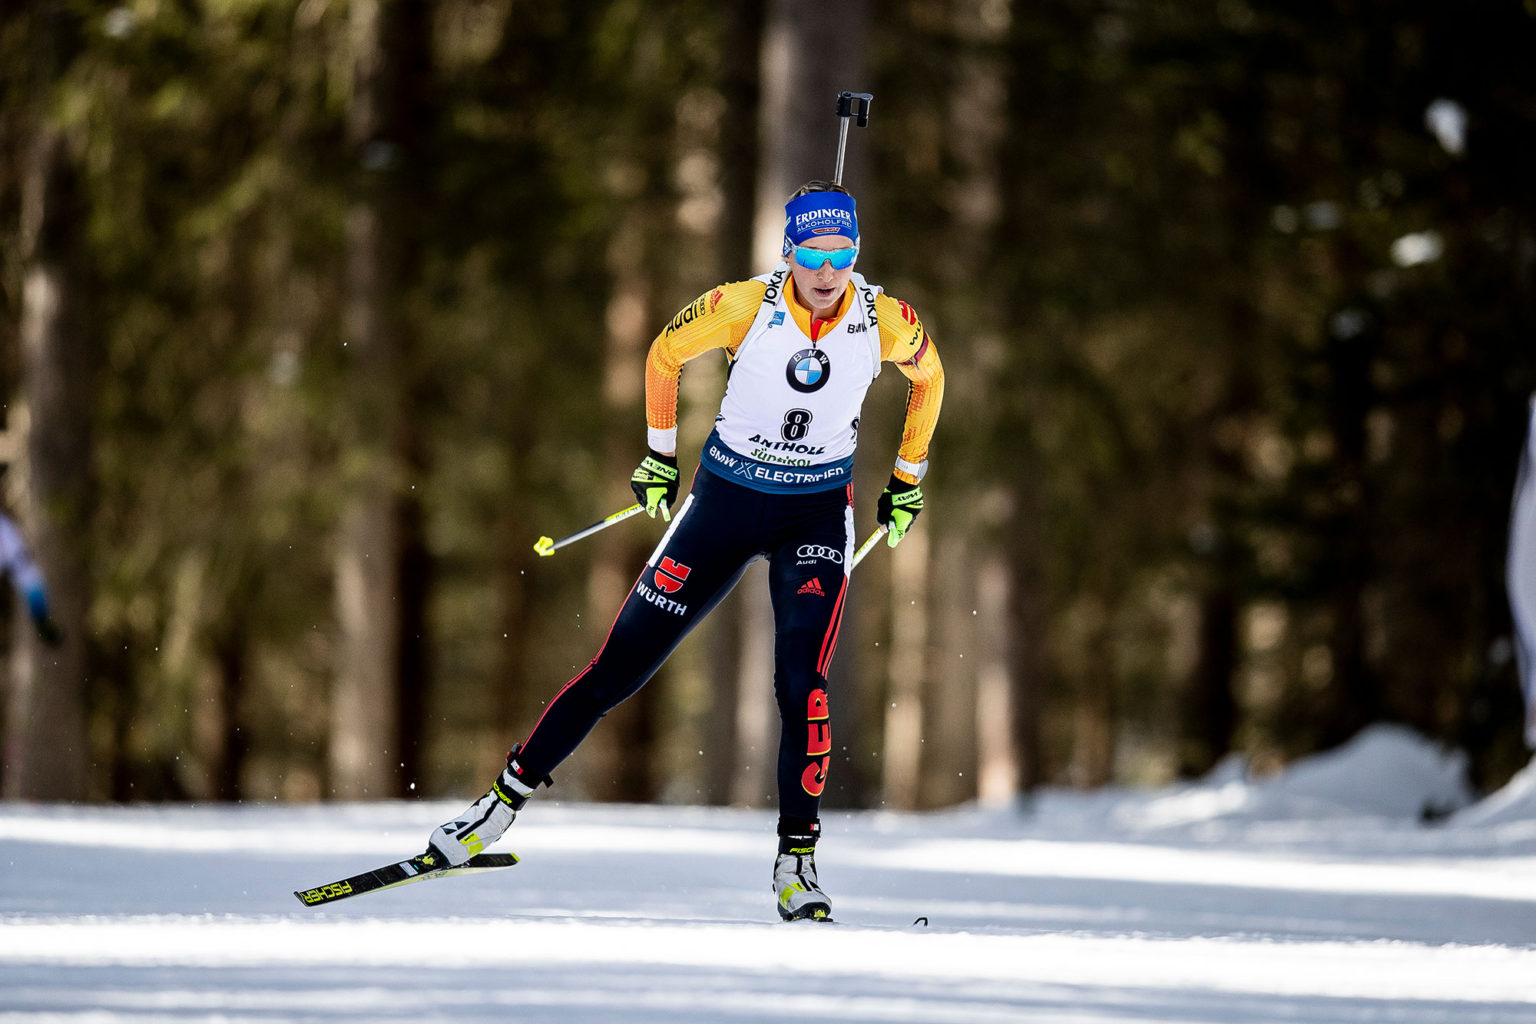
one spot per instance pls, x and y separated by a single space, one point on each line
794 881
485 820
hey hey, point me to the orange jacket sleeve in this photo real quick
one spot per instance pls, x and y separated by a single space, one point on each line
905 342
720 318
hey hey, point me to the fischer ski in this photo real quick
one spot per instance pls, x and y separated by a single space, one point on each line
419 868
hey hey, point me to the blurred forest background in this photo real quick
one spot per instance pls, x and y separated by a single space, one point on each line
316 314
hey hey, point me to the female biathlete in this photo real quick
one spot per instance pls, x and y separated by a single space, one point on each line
804 343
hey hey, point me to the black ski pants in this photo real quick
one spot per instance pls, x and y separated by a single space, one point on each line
719 530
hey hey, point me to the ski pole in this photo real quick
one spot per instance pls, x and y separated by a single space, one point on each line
548 546
849 104
858 556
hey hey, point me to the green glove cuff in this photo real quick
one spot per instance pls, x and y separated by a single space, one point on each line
899 506
655 484
653 470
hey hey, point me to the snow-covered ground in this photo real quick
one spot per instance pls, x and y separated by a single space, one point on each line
1314 896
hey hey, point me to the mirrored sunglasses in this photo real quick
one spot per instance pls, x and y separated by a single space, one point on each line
812 259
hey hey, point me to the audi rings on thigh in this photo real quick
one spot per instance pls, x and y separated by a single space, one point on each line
811 552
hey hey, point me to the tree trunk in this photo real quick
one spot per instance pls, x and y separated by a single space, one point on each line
811 51
1209 717
380 550
997 755
950 690
618 758
231 667
1095 725
905 726
45 747
1028 663
738 172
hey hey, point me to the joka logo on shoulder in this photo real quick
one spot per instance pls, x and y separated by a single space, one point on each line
670 576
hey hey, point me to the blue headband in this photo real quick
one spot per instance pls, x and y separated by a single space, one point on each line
819 213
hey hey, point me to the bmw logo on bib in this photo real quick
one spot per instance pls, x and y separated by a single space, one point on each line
808 370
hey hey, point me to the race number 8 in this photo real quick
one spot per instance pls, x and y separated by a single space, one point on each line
797 423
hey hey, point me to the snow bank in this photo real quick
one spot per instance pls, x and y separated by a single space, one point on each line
1516 802
1386 771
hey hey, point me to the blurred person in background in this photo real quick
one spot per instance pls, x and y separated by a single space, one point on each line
16 562
1521 574
803 343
